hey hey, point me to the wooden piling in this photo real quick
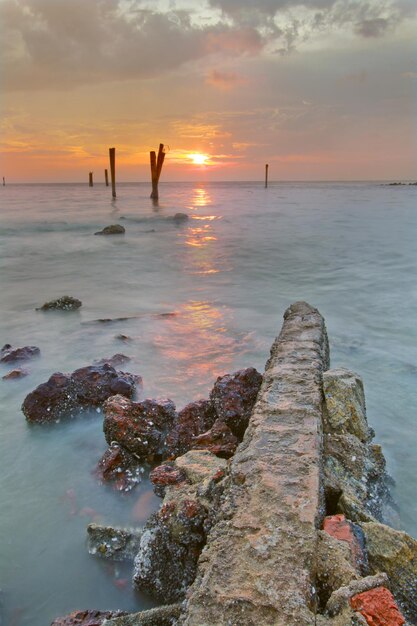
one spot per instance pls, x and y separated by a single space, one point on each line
4 182
112 154
90 179
156 168
266 175
106 177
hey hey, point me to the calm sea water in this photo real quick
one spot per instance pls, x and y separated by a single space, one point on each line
228 274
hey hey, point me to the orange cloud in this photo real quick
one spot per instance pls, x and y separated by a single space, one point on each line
224 80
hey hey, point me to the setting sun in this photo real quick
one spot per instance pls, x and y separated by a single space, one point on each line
199 159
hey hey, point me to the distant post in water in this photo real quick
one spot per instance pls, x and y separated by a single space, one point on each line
106 177
266 175
112 154
4 182
90 179
156 168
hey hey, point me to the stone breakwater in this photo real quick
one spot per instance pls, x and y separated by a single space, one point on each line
297 527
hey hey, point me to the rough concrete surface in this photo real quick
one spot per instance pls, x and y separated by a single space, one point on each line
257 567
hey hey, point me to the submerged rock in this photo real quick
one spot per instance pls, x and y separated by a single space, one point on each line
14 355
65 303
180 217
16 374
173 538
86 618
113 229
233 397
139 427
64 394
115 361
118 544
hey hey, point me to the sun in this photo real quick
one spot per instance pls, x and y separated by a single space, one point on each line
198 158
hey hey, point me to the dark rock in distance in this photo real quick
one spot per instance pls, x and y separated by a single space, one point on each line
114 361
16 374
113 229
86 618
234 395
65 303
14 355
63 394
180 217
140 427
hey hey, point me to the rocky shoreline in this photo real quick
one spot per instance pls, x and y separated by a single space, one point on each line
276 503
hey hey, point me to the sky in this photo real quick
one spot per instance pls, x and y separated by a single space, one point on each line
318 89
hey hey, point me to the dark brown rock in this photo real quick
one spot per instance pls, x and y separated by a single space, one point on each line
140 427
16 374
164 475
119 467
234 396
14 355
219 439
86 618
65 303
194 419
64 394
113 229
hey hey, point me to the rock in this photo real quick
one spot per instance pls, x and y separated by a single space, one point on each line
180 217
160 616
113 229
219 439
119 544
194 419
234 396
14 355
66 303
122 337
340 599
165 475
140 427
335 566
174 537
345 404
394 552
378 607
16 374
115 361
64 394
119 467
86 618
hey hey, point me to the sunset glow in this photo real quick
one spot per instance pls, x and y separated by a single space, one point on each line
306 90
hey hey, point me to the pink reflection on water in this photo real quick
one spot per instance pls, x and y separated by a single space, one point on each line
198 345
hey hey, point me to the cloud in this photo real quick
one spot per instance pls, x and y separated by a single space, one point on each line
224 80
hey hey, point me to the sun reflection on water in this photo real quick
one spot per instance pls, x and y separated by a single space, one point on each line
198 343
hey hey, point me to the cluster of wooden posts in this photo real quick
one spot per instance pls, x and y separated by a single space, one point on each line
156 167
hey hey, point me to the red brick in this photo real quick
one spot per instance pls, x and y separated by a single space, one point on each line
378 607
339 527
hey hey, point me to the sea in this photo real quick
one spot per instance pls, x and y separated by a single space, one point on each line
195 298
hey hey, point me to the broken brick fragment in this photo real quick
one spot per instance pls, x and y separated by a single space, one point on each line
340 528
378 607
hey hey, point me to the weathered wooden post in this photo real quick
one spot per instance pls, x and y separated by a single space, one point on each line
90 179
112 154
266 175
156 168
4 182
106 177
